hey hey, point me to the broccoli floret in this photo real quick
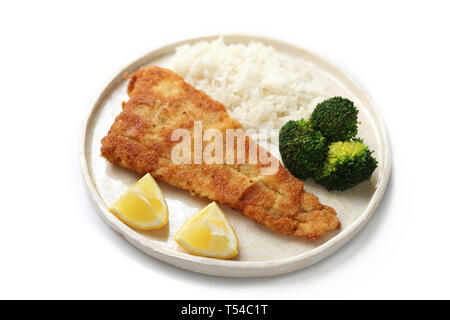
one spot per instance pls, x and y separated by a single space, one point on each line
348 163
302 149
336 118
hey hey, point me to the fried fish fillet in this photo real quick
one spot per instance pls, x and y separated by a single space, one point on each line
140 139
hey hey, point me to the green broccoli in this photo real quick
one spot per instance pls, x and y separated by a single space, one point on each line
302 149
348 163
336 118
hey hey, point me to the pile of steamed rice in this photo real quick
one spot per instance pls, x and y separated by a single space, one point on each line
260 86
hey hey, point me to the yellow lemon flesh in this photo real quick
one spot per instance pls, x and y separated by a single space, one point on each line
209 234
142 206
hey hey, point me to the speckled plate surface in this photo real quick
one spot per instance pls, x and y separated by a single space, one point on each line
262 251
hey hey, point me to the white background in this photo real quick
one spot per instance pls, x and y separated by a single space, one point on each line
56 58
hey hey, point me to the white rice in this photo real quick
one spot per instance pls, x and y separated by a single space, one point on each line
261 87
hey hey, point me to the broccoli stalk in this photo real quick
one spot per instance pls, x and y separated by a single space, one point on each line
348 163
302 149
336 118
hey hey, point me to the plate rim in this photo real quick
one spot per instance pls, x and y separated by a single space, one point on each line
235 268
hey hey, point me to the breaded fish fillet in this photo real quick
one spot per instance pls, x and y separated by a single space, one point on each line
140 140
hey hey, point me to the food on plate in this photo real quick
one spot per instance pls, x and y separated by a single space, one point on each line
142 206
302 149
259 85
209 234
348 163
336 118
140 139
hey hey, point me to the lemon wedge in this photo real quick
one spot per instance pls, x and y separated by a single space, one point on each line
142 206
209 234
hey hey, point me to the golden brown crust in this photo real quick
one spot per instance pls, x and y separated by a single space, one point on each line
140 140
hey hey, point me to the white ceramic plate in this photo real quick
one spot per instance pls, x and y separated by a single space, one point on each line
262 251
